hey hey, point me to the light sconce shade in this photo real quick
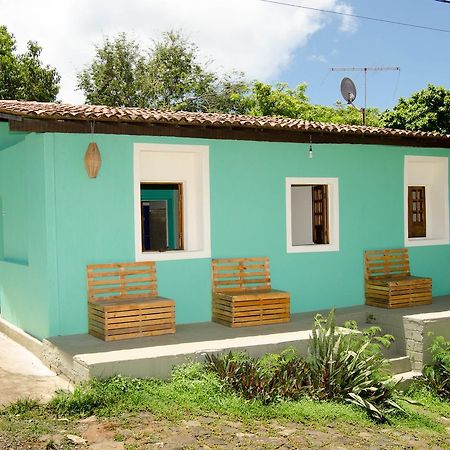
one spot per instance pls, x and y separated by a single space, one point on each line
92 160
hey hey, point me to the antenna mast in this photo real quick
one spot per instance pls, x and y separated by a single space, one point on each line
365 70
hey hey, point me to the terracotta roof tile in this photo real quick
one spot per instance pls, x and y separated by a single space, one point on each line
59 111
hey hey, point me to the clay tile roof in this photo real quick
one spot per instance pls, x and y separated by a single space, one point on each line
60 111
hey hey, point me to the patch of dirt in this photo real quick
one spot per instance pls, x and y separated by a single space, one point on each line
145 431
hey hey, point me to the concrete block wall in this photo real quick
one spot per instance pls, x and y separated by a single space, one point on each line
420 330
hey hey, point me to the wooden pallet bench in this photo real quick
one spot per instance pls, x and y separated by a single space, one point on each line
123 302
242 294
388 280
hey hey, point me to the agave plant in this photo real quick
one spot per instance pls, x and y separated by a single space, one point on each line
346 367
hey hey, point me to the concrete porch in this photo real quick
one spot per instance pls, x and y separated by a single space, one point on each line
80 357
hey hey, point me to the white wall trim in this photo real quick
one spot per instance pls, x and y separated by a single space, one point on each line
333 211
196 202
431 172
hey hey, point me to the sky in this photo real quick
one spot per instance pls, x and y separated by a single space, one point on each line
268 42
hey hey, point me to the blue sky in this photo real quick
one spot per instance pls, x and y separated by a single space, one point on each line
268 42
423 56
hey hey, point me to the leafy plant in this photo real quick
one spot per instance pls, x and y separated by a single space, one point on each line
342 365
272 377
350 367
436 376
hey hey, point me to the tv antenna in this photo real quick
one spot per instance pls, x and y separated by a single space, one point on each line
349 83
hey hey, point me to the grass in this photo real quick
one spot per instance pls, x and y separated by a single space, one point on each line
430 400
193 391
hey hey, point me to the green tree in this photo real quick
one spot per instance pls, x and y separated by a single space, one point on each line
426 110
23 76
281 100
171 76
114 78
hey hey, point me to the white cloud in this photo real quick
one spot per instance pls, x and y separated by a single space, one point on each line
257 38
348 23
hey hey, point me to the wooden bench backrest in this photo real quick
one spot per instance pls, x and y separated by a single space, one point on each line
386 264
236 274
121 280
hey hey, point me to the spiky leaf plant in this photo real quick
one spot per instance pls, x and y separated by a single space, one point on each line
347 367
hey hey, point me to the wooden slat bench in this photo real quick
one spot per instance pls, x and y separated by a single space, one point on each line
388 280
242 294
123 302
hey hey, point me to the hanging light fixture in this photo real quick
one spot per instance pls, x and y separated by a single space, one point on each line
92 157
310 154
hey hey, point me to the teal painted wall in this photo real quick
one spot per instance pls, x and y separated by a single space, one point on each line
92 221
25 281
95 220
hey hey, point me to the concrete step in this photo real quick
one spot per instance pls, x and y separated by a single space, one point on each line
405 379
400 364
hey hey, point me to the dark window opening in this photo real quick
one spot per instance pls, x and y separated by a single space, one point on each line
162 216
417 226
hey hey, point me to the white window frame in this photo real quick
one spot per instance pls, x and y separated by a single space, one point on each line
196 202
333 215
431 172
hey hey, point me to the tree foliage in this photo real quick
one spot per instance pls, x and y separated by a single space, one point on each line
114 78
281 100
171 76
23 76
426 110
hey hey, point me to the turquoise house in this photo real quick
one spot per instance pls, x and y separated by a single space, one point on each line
182 188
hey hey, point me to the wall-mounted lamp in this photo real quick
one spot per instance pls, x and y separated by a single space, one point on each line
92 157
92 160
310 154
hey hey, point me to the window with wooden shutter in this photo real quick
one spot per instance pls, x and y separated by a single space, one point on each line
312 214
417 226
310 218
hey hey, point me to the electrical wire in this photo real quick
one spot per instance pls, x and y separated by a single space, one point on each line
357 16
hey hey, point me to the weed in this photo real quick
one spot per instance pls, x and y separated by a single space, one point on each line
23 406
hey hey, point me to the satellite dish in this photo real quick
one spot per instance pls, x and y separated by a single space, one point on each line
348 90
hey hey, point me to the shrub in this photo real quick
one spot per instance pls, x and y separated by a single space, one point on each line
436 376
272 377
341 365
350 367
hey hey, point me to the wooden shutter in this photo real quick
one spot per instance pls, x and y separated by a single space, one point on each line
416 212
320 214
